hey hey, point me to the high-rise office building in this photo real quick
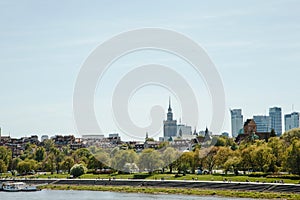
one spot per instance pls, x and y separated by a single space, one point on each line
183 129
170 125
236 121
291 121
276 120
263 123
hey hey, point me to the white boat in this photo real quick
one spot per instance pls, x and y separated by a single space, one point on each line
13 186
18 187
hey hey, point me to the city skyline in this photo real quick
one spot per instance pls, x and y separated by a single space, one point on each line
254 45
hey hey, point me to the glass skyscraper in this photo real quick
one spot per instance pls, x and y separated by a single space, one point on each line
263 123
276 120
236 121
291 121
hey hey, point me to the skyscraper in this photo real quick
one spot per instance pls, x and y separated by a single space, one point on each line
170 125
236 121
276 120
263 123
291 121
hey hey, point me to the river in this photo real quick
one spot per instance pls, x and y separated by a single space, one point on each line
91 195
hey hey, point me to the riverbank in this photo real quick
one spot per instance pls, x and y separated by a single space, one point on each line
185 191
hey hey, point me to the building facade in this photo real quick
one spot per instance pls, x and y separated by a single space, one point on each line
170 125
263 123
183 129
236 121
291 121
276 120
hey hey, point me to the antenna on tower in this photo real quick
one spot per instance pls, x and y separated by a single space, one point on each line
293 108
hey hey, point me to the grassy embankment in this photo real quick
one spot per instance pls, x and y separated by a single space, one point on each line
186 191
215 177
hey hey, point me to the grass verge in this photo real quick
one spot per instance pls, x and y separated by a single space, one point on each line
186 191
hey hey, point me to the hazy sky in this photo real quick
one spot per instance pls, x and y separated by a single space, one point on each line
255 46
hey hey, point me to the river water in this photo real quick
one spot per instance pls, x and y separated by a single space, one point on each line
91 195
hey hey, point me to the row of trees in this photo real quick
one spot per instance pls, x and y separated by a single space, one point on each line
278 154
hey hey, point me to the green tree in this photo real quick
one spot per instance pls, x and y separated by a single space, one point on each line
3 167
78 170
278 149
150 160
263 159
223 154
81 156
232 164
121 158
186 162
40 154
26 166
49 164
102 157
5 155
67 164
290 135
292 158
15 162
210 158
273 134
58 157
48 144
169 156
219 141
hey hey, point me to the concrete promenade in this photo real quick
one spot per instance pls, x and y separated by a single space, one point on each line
242 186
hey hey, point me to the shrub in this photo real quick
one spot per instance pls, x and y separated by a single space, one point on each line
78 170
140 176
284 176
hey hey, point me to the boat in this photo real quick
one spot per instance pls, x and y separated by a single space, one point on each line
18 187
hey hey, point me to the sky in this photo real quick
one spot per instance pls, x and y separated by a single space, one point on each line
255 46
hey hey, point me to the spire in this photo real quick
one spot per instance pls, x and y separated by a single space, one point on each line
169 114
170 109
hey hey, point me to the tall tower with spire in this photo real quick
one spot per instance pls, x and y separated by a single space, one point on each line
170 125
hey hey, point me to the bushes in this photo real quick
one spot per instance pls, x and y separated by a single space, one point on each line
78 170
258 174
140 176
284 176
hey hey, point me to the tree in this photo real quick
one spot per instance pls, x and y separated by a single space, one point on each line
263 159
247 161
223 154
78 170
292 158
49 163
219 141
3 166
48 144
278 149
14 163
67 164
186 162
40 154
169 156
103 158
150 160
290 135
121 158
5 155
210 158
272 134
232 164
81 155
58 157
26 166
